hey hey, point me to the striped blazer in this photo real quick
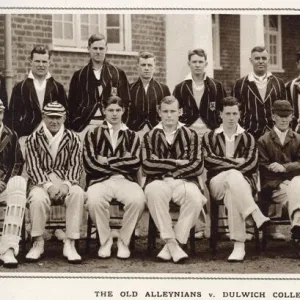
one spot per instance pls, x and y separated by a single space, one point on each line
84 98
67 164
292 95
209 110
143 108
124 160
3 93
215 160
256 115
25 113
11 160
159 157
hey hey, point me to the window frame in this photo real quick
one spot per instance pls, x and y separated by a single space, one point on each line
216 43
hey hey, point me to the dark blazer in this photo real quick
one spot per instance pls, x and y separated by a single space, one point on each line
215 160
84 98
256 115
124 160
3 93
209 110
159 158
25 113
11 160
271 150
292 96
143 108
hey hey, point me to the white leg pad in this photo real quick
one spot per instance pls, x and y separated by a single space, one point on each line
14 214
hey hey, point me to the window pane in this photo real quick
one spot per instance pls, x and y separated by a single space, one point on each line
84 19
57 17
68 18
273 22
113 20
213 19
68 31
84 32
58 30
113 36
93 29
94 19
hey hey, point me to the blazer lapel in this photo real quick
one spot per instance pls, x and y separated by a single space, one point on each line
4 139
221 144
270 88
254 90
275 138
43 141
32 92
48 91
289 136
64 141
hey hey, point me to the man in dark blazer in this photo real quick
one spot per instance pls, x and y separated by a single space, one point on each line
257 92
199 95
146 93
32 94
293 94
92 85
3 93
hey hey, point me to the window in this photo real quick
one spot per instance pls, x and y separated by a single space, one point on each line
73 31
272 34
216 41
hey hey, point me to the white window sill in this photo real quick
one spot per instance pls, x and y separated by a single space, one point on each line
82 50
276 70
218 68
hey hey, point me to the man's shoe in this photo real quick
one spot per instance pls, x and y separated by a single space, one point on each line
178 255
9 260
105 250
164 254
199 235
238 253
123 250
36 251
260 220
70 252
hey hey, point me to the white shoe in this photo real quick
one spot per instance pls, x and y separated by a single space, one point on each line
36 251
176 252
238 253
8 259
105 250
123 250
276 236
249 237
199 235
164 254
70 252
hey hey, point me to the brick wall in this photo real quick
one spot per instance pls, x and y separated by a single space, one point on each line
229 50
2 64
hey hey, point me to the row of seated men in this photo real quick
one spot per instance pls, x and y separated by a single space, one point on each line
172 157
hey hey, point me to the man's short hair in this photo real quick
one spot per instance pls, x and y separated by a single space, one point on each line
96 37
198 51
229 101
259 49
146 55
168 100
40 49
114 100
298 56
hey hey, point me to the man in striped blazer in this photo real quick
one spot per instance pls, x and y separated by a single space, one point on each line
111 161
91 86
199 95
54 165
30 95
257 92
293 94
12 192
230 157
146 93
172 160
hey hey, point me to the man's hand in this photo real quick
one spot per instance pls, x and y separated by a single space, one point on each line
53 192
102 159
127 155
153 156
63 192
277 168
2 186
181 162
240 160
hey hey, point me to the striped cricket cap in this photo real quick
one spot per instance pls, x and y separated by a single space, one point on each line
54 109
2 107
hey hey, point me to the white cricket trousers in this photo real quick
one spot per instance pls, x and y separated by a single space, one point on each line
129 193
39 210
237 194
185 194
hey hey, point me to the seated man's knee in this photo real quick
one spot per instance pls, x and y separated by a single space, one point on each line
234 177
155 190
77 191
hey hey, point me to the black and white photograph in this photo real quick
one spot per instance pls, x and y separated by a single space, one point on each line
150 143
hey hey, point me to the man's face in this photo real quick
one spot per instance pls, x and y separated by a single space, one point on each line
113 114
169 114
40 64
230 116
54 123
282 122
98 51
146 67
1 116
260 61
197 64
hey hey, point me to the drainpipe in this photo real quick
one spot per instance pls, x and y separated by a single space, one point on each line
8 74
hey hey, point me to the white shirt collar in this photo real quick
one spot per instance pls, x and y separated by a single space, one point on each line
239 130
190 77
160 126
122 127
253 77
30 75
281 134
